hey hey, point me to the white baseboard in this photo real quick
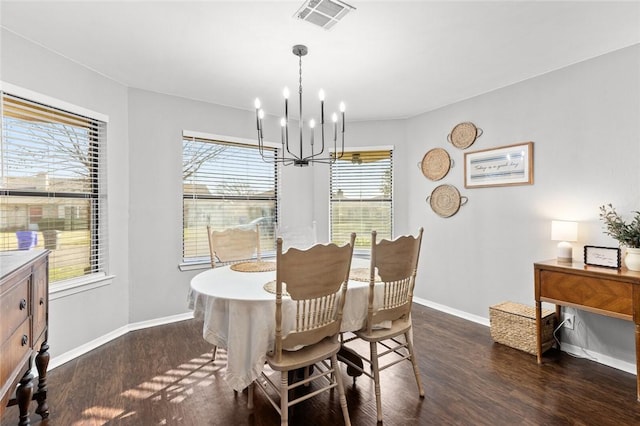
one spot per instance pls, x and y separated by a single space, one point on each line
89 346
160 321
579 352
454 312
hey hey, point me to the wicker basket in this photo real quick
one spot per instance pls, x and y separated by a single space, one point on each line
514 325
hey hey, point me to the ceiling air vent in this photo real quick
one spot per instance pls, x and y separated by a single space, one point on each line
323 13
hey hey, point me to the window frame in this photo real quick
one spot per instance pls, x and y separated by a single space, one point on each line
372 148
98 206
202 262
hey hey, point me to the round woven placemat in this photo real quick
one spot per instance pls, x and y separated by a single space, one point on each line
258 266
361 274
270 287
436 164
463 135
445 200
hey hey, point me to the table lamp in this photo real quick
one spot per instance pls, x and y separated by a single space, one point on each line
565 232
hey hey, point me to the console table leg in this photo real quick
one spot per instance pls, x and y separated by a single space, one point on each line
42 363
24 393
539 330
637 327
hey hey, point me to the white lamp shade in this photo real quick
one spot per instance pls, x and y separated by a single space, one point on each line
562 230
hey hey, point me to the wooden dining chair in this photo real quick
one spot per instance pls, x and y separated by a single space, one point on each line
388 325
233 245
316 282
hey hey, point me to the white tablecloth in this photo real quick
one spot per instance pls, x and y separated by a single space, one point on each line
239 315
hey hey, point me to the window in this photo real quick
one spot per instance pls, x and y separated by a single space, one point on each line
361 196
52 188
226 185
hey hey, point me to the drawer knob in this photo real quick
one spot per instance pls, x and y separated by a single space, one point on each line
23 304
25 339
42 300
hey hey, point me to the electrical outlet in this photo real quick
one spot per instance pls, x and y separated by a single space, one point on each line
568 321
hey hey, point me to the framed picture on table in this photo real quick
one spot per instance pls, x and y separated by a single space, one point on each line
608 257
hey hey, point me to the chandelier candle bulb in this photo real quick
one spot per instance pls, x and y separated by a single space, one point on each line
342 108
334 118
256 103
321 96
285 93
312 125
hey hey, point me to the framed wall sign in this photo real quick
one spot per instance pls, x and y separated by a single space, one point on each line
501 166
609 257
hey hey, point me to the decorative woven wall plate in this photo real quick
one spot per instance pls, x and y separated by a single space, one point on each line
445 200
464 135
436 164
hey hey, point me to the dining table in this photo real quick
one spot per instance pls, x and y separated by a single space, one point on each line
237 308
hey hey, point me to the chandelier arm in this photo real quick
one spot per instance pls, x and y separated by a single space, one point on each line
315 155
342 134
288 150
260 138
323 160
339 156
259 130
322 131
286 124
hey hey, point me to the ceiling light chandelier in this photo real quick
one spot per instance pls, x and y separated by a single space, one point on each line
296 155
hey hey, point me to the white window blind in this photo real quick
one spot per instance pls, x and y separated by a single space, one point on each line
361 196
52 186
226 185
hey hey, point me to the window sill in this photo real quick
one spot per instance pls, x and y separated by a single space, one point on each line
77 285
194 266
199 265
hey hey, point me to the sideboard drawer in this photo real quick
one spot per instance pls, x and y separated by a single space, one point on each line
15 308
14 351
596 293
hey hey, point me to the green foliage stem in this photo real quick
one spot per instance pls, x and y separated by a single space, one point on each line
627 234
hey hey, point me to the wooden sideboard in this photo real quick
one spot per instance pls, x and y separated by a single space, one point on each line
604 291
24 312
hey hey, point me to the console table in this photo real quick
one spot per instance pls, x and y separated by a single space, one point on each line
605 291
24 311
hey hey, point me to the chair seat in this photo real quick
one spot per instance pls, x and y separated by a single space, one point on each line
308 355
398 327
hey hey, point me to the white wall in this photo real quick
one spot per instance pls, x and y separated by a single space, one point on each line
584 121
77 319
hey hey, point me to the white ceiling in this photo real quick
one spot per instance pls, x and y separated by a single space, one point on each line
387 59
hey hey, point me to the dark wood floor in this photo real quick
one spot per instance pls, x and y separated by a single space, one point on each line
164 376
